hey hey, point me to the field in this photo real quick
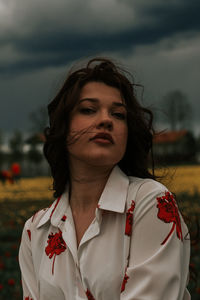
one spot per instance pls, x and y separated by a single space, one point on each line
21 200
180 180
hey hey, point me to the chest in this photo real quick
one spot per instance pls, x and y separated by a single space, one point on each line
81 223
100 263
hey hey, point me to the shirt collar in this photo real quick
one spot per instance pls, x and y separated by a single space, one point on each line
113 198
56 211
115 192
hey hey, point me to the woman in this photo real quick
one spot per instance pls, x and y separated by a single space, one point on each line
113 231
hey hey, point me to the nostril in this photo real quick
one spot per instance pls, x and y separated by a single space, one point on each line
106 124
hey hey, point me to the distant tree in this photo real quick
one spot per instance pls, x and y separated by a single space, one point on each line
34 155
39 119
16 143
198 143
1 152
1 138
177 109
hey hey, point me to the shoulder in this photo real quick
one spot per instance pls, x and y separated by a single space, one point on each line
35 219
146 186
30 228
147 193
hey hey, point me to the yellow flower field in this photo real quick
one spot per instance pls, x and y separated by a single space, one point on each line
177 179
27 188
181 179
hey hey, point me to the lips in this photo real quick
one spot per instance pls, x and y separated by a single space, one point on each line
104 136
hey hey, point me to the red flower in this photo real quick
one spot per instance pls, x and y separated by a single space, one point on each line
129 219
56 245
168 212
89 295
29 234
1 286
27 298
124 282
2 265
7 254
16 168
11 281
14 246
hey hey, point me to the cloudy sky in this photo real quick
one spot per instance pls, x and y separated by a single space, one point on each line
157 40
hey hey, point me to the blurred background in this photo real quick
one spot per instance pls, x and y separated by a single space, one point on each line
40 40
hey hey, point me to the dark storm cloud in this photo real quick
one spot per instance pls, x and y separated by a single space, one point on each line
170 19
157 40
43 42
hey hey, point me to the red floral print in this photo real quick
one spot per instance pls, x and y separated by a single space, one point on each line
89 295
33 217
29 234
56 245
64 218
129 219
55 206
168 212
126 277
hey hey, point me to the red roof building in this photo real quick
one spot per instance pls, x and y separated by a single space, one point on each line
174 146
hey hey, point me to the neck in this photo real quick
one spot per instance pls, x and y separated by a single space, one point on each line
86 186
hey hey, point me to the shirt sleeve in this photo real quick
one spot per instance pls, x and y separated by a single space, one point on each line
29 282
159 248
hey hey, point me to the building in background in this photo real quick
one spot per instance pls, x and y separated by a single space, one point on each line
175 147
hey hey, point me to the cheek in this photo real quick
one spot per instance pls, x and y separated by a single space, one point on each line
73 125
124 134
80 124
122 141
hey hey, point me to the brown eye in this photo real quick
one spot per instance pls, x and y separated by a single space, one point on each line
119 115
87 111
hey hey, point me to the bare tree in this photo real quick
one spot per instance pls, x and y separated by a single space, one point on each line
177 109
39 119
1 152
16 143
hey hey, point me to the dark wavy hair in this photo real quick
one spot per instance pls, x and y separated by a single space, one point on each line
135 161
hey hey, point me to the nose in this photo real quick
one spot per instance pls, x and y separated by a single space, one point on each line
105 122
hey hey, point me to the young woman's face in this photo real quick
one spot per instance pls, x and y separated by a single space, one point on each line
98 128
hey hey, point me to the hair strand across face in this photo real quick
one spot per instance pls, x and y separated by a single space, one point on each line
139 121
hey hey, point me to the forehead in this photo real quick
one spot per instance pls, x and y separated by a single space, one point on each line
100 90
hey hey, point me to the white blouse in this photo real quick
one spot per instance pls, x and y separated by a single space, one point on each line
137 247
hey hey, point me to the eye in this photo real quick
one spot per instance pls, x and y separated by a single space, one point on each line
87 110
119 115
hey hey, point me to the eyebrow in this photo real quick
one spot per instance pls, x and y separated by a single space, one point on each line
95 100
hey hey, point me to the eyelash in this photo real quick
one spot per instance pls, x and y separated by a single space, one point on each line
89 111
120 116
